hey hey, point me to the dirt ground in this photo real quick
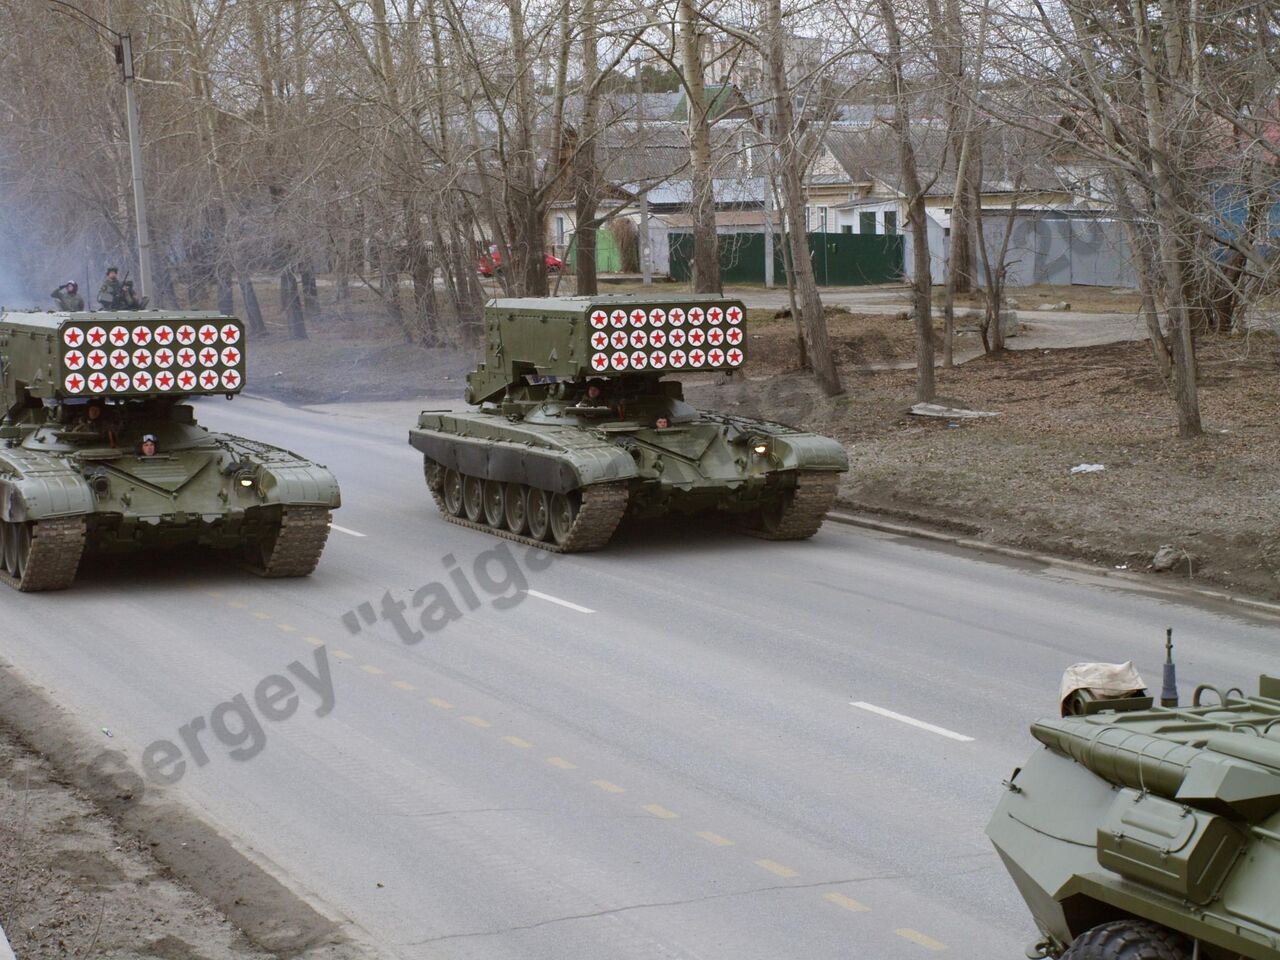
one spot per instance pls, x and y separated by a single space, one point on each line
72 884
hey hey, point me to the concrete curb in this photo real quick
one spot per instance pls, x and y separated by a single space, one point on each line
959 540
6 953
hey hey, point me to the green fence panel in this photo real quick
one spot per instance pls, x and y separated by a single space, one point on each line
608 256
839 259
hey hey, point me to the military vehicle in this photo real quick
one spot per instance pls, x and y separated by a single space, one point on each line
81 391
1145 832
577 427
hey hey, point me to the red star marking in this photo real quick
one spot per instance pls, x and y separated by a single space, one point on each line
141 336
618 318
638 338
695 316
186 358
657 317
599 361
734 314
677 357
599 319
657 338
208 334
716 357
230 356
639 359
715 336
714 314
75 383
735 335
696 337
74 360
97 335
676 316
186 334
97 381
164 357
619 340
677 338
119 335
208 379
142 381
164 335
119 381
119 358
141 358
696 357
598 340
735 357
165 380
637 317
74 337
657 358
97 359
187 379
230 334
209 357
619 360
230 378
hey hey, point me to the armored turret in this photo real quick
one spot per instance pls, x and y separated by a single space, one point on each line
582 420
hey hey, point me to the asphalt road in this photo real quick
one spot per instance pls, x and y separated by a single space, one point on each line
653 752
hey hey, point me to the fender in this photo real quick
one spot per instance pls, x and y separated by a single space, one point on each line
34 486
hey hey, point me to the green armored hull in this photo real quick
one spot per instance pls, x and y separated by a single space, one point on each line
1151 833
99 453
577 428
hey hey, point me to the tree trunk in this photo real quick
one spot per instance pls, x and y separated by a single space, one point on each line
252 309
291 304
585 175
706 249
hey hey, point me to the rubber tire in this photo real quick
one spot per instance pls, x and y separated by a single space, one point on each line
495 503
539 514
1129 940
473 498
563 511
452 492
516 507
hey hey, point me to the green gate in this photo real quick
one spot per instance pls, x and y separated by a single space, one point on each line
839 259
608 256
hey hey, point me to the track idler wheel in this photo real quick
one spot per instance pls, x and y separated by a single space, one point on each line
797 513
293 549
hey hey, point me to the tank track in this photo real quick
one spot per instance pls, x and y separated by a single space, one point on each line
814 495
299 543
56 548
603 505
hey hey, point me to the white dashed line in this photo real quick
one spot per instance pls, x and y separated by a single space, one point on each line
912 721
556 600
349 533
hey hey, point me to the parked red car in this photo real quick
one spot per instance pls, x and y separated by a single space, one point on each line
491 262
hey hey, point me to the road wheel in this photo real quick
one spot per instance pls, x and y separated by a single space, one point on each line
1129 940
539 511
433 472
516 507
7 535
453 492
495 495
564 511
22 548
473 498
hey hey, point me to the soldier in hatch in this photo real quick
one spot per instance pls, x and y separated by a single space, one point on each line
109 294
128 299
68 296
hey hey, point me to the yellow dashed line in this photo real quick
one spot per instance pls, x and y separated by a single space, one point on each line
370 668
262 616
214 593
314 641
404 685
562 763
442 704
840 900
237 604
342 655
661 812
774 867
517 742
608 787
915 936
477 721
715 838
287 628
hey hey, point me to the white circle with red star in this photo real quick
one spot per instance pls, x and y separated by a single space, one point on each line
675 316
618 318
208 357
186 380
600 361
618 340
639 339
715 315
696 358
638 317
657 359
186 358
142 380
230 356
141 336
97 337
97 383
599 340
142 358
696 337
734 357
676 358
658 338
639 360
657 316
165 380
733 315
231 379
208 333
230 334
677 338
186 333
120 382
715 358
734 335
696 315
619 361
164 334
715 336
74 383
119 359
599 319
118 336
163 358
73 360
209 380
73 336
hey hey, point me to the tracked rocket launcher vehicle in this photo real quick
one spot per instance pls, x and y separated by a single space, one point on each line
580 425
80 391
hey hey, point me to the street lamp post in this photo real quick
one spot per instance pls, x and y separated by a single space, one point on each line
124 56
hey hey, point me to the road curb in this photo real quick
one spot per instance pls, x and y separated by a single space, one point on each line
968 542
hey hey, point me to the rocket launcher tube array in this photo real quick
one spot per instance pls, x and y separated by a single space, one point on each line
1197 776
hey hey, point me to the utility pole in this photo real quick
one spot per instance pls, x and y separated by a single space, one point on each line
646 259
124 57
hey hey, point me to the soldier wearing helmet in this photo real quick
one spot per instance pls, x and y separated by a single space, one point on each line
68 296
109 292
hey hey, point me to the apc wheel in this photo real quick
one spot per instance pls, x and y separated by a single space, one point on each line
495 500
515 508
452 492
473 498
1129 940
564 511
539 511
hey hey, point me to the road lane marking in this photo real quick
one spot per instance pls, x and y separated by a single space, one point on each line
342 655
840 900
314 641
287 627
562 763
262 616
215 594
912 721
349 533
370 668
478 722
403 685
556 600
608 787
661 812
715 838
518 742
776 868
238 605
442 704
915 936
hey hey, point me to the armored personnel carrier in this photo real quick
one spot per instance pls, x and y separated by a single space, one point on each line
1150 833
578 425
99 453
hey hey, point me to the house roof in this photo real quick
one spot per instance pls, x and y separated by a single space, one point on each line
723 100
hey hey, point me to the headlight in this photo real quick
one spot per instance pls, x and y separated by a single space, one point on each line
245 479
759 446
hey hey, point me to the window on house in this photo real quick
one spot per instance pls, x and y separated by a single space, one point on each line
867 222
891 221
847 228
559 229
